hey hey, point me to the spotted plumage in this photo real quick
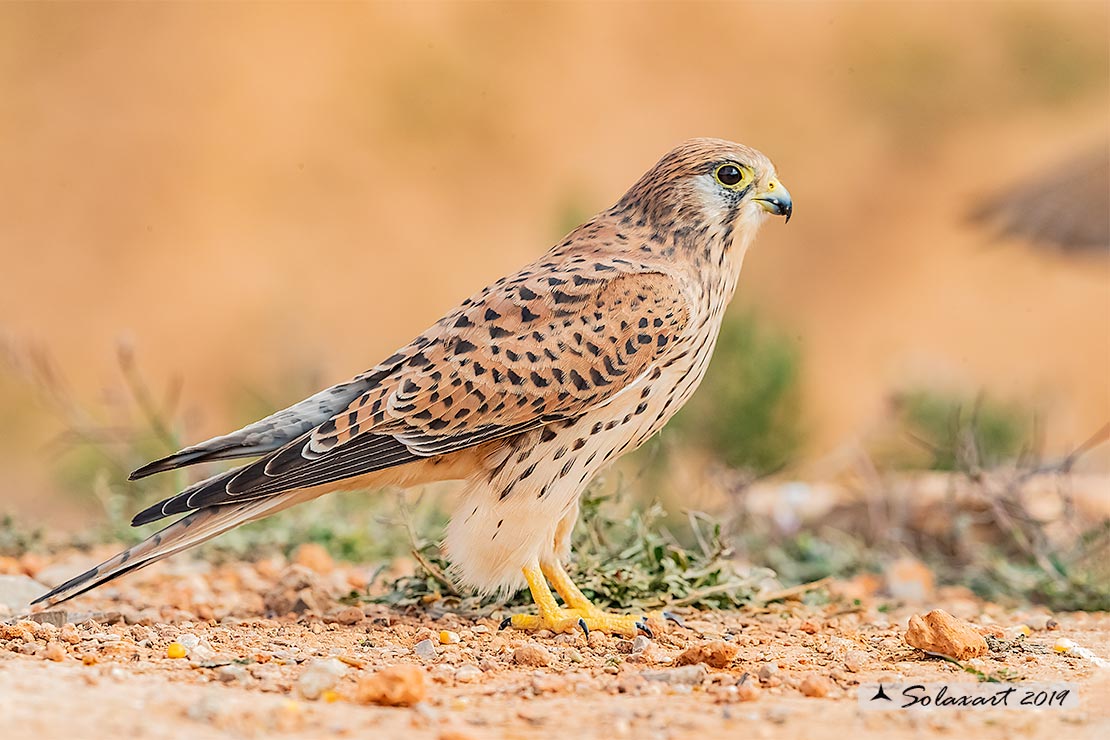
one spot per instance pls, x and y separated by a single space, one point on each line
524 391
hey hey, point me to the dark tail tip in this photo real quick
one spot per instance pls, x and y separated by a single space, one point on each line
188 456
158 466
75 581
148 515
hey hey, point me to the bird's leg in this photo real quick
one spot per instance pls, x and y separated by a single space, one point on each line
579 614
571 595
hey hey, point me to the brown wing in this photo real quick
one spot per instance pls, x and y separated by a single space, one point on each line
551 343
1065 205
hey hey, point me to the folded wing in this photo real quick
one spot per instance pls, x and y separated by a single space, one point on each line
526 352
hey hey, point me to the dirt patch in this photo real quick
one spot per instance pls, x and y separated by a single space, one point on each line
785 669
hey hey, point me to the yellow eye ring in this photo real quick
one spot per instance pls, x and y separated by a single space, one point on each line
731 175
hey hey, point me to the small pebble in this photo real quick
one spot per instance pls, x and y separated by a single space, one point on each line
176 650
690 675
231 673
446 637
748 690
442 672
640 644
468 672
320 676
768 671
532 655
856 660
546 683
55 651
940 633
349 616
395 686
1064 646
715 654
425 649
814 685
186 640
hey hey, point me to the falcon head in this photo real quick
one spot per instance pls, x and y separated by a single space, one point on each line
709 182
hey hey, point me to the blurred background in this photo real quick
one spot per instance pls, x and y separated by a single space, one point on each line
210 211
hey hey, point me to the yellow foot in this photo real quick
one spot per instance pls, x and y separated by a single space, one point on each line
587 620
578 614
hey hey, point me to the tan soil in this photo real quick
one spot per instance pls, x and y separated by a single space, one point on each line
115 680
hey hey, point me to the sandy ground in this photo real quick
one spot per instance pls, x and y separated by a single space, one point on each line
249 673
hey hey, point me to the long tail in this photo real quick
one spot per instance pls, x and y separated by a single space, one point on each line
200 526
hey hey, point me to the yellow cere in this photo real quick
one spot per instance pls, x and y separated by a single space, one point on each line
176 650
446 637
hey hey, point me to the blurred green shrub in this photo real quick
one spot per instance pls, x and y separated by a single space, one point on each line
748 411
953 432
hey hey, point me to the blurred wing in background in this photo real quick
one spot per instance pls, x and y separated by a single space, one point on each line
1067 207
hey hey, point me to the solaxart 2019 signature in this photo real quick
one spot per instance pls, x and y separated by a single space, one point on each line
920 696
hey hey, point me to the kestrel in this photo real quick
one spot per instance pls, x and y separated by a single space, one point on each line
524 391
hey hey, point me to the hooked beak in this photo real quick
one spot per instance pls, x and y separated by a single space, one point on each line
776 199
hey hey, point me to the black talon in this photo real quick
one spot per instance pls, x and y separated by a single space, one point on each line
672 617
642 625
584 627
505 623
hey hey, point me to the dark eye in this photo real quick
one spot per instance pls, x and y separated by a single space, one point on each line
729 175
